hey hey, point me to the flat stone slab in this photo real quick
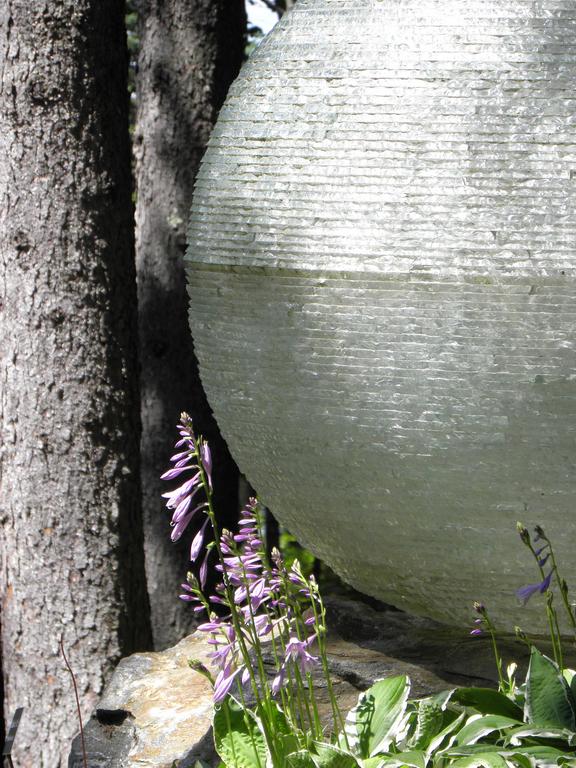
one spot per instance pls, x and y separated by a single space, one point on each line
156 711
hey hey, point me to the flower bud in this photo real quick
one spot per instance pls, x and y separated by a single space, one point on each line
523 533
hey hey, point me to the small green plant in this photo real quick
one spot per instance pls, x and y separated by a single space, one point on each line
266 609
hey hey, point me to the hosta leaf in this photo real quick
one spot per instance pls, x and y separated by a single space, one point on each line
237 736
488 702
544 757
516 735
469 750
373 762
445 735
300 759
285 741
372 725
415 759
474 750
328 756
486 760
429 719
549 701
478 727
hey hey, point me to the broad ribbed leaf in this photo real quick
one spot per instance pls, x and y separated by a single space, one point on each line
373 762
478 727
515 735
237 737
328 756
446 736
488 702
486 760
285 740
371 726
301 759
414 759
429 719
549 701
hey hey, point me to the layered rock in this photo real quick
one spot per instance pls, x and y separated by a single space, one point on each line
156 712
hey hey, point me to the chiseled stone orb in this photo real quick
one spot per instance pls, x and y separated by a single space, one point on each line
381 266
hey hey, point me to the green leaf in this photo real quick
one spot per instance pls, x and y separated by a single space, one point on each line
484 760
466 750
488 702
300 759
544 757
479 726
414 759
328 756
429 719
237 736
566 735
373 762
446 733
523 761
549 701
372 724
285 740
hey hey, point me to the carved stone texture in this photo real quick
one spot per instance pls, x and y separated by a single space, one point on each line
381 270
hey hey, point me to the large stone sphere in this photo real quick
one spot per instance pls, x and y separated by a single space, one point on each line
381 269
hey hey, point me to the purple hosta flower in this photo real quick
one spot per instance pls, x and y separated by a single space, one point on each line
525 593
198 541
224 681
203 572
183 499
278 681
189 596
477 631
297 651
206 459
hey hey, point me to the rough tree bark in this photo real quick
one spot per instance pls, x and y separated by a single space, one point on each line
190 51
71 558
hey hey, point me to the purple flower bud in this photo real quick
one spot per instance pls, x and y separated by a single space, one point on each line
476 632
206 458
203 573
540 535
198 541
278 681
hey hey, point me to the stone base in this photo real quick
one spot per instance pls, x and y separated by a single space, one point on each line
156 712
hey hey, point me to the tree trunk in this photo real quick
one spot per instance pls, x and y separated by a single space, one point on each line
71 558
190 51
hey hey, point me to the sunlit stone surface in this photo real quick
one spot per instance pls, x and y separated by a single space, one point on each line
381 267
